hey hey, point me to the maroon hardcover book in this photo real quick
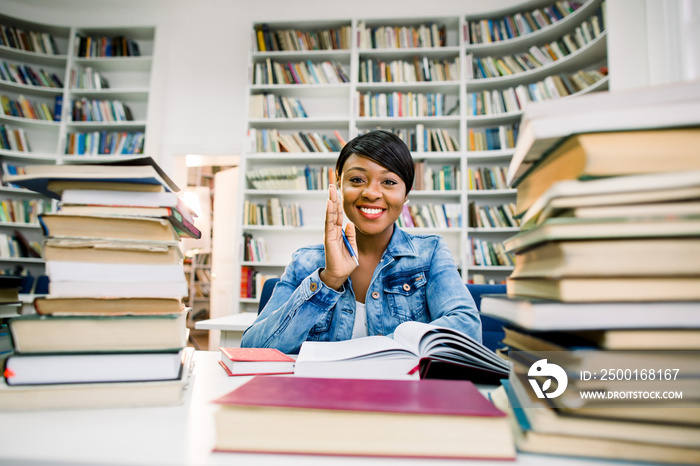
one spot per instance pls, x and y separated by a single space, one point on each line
362 417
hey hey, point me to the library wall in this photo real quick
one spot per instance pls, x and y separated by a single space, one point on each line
200 66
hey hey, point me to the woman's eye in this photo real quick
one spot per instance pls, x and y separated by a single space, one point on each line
390 182
356 180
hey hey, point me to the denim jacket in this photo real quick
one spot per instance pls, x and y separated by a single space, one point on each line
415 280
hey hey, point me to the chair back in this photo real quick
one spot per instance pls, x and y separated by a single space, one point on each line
491 329
266 292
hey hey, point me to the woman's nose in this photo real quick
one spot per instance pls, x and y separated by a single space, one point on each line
371 191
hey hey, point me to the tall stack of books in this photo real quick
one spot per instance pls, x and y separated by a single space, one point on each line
602 307
112 331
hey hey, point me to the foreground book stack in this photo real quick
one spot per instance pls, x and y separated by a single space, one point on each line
602 306
416 419
112 330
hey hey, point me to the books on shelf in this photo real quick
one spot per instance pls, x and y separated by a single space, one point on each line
292 413
25 108
267 39
515 99
13 139
95 110
255 361
495 138
273 212
27 75
425 35
272 72
417 350
105 143
28 40
399 104
375 70
272 140
492 216
488 253
292 177
488 30
430 216
275 106
91 46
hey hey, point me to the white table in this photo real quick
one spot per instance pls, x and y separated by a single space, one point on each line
231 327
172 435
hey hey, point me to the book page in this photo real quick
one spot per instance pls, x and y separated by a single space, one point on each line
366 347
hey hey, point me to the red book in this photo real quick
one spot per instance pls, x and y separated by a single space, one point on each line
362 417
253 361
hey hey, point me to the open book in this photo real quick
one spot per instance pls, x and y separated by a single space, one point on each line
418 350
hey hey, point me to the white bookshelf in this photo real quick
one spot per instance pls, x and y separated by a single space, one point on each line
335 107
129 80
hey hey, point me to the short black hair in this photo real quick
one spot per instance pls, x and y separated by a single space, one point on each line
385 148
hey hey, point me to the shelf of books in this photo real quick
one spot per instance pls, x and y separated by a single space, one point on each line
67 93
453 88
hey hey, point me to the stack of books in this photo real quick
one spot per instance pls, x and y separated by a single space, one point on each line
602 306
112 331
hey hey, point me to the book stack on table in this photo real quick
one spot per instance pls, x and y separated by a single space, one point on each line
602 308
112 331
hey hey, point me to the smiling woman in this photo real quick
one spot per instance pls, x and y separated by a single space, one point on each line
324 295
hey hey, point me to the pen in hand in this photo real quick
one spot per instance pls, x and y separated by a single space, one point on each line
349 247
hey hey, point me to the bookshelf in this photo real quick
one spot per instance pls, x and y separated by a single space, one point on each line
427 90
54 69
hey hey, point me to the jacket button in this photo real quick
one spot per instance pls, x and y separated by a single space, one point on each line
375 294
313 286
406 287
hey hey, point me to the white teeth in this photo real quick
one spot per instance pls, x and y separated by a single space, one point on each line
370 211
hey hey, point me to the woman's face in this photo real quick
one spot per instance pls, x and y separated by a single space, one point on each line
373 197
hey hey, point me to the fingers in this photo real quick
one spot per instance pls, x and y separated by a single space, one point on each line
350 235
331 214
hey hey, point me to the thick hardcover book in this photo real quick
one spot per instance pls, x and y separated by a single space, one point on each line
108 227
569 229
418 350
98 395
608 289
140 170
352 417
549 315
611 154
89 333
111 251
619 192
103 306
254 361
41 369
610 258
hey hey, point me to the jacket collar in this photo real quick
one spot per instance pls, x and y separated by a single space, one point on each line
400 244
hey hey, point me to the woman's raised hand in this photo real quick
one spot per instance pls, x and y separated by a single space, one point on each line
339 262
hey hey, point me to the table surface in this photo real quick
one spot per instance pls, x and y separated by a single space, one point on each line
234 322
169 435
